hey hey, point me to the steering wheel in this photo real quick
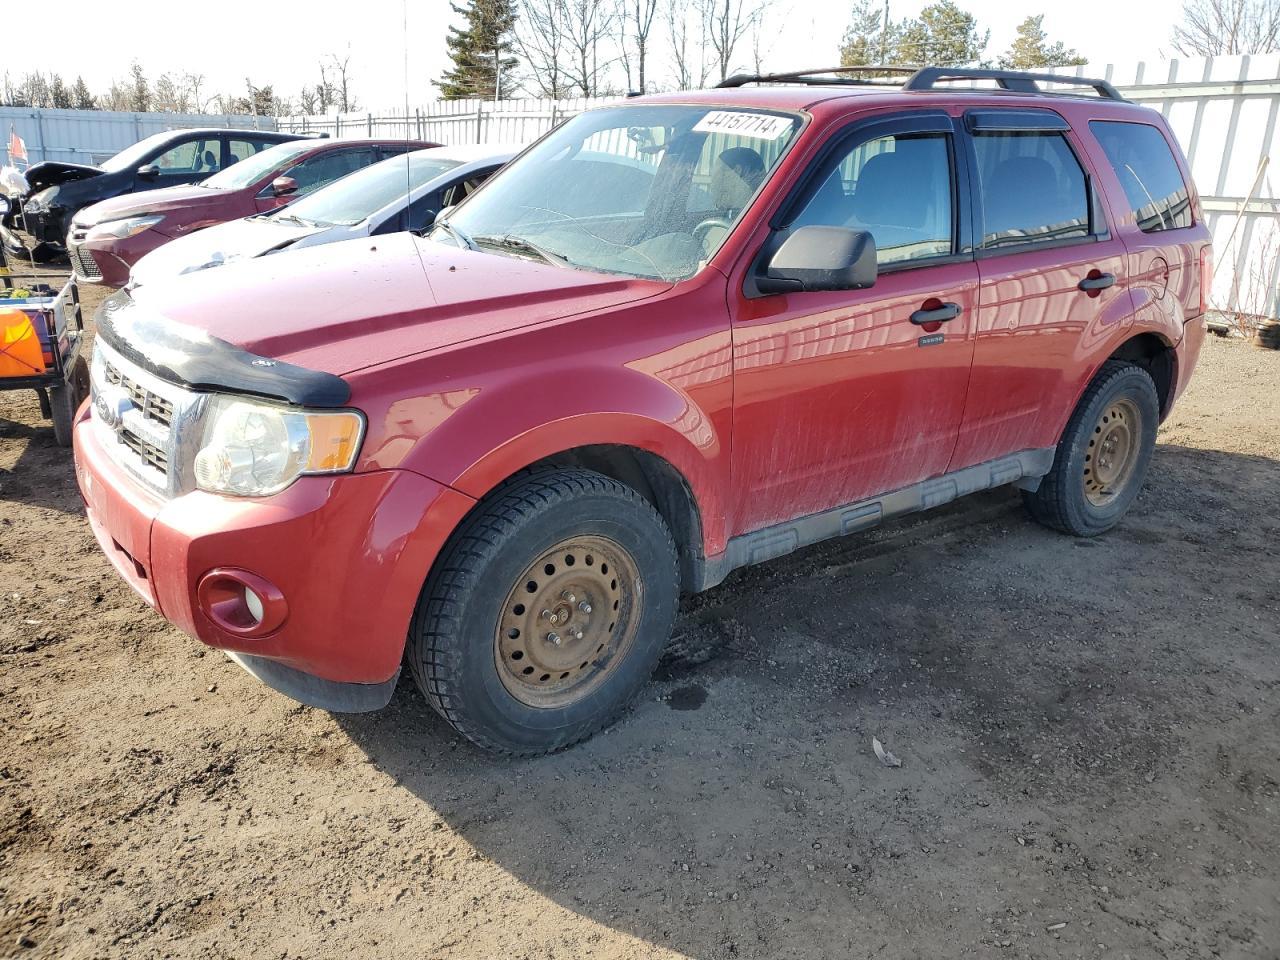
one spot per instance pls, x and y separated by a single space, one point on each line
701 230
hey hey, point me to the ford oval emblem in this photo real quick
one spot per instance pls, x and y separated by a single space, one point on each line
111 405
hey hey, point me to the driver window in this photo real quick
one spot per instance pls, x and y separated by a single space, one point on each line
191 156
898 189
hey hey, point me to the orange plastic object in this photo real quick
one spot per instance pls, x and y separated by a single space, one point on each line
20 353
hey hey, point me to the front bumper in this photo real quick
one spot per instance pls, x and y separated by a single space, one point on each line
47 226
108 262
349 555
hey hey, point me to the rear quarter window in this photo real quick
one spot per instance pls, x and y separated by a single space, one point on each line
1148 172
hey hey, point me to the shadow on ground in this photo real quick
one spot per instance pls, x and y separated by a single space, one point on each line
1034 685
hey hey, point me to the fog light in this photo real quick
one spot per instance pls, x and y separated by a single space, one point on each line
241 603
254 603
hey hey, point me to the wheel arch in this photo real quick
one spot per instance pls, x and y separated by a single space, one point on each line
1154 353
650 473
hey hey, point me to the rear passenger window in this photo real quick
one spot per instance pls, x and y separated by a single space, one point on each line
896 188
1145 166
1033 189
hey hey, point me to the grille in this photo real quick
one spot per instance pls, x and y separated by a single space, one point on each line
153 406
147 423
148 452
82 262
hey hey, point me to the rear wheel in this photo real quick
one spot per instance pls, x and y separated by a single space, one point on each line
1102 458
547 612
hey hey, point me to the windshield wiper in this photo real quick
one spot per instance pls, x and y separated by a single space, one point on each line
292 218
521 245
457 233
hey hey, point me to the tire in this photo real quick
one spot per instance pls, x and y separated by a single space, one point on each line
65 399
532 566
1090 486
45 253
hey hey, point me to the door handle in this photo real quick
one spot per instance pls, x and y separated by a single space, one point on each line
1100 282
948 311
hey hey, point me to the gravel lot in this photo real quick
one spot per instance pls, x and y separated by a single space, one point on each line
1089 730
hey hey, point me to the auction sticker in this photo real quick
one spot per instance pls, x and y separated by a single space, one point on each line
761 126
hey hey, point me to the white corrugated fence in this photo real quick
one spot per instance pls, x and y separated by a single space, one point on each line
91 136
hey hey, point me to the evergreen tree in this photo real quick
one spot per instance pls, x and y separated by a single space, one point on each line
139 89
487 31
943 35
59 96
1031 50
868 40
81 98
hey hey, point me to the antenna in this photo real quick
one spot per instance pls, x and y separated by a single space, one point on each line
408 178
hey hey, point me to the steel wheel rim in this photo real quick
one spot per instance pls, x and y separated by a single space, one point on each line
1112 454
568 621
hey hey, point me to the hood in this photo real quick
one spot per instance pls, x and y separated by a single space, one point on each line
218 246
51 173
344 306
185 197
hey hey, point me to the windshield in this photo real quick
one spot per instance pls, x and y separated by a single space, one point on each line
252 169
135 155
365 192
643 190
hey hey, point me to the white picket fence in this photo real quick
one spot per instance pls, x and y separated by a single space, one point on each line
451 121
1223 111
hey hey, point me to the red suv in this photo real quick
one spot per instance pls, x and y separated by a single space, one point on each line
679 335
108 238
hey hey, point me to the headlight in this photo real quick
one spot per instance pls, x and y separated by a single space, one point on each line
38 202
253 449
121 229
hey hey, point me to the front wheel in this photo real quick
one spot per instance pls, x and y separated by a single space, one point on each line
546 613
1102 458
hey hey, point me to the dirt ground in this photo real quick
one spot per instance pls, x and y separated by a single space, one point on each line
1089 730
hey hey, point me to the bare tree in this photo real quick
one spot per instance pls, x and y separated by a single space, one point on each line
728 21
171 95
192 82
688 45
587 25
541 40
341 94
1214 27
636 18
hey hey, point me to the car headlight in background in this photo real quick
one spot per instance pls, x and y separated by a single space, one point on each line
121 229
253 449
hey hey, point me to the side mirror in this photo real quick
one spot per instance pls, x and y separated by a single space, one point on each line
283 186
148 171
820 258
444 213
428 221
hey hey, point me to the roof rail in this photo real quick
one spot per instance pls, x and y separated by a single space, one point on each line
821 76
926 78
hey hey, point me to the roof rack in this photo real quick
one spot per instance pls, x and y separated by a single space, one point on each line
820 76
927 78
1020 81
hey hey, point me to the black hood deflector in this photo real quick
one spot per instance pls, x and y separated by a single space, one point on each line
191 357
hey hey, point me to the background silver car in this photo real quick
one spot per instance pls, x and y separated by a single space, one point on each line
401 193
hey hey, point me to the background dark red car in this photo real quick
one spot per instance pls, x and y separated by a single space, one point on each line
108 238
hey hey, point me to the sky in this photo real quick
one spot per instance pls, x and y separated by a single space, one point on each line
233 40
